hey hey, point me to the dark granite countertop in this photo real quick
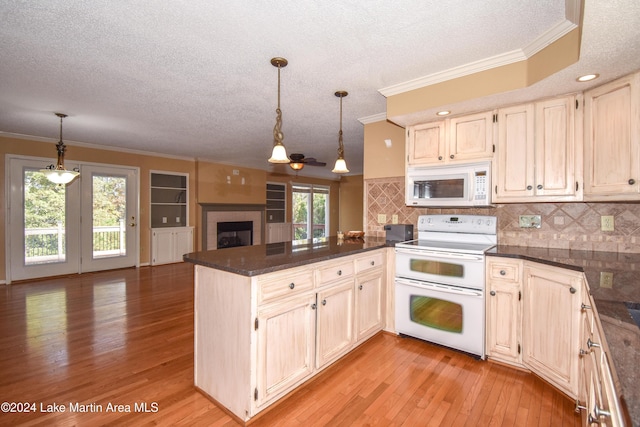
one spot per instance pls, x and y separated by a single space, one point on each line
261 259
621 332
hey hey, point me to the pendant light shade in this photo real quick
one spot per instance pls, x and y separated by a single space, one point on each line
279 153
341 164
58 174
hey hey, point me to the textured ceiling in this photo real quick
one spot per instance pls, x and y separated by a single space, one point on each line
194 79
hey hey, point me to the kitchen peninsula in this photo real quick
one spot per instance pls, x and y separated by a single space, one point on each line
270 317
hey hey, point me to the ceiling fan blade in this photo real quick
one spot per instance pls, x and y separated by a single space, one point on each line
311 161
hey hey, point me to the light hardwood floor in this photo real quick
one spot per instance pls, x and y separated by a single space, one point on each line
125 338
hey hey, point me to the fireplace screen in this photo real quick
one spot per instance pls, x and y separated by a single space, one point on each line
235 233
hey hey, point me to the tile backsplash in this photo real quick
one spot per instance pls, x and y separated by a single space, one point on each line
564 225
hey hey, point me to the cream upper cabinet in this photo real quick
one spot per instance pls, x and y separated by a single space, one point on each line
504 313
471 137
426 143
612 140
458 139
537 152
551 324
513 169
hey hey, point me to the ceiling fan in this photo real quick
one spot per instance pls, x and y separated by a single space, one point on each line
298 161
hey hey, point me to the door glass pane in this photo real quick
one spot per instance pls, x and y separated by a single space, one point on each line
301 205
109 216
437 267
319 215
436 313
310 211
44 219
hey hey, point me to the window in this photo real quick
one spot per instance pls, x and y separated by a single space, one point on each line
310 211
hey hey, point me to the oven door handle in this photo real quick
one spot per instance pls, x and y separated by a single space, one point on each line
441 288
438 254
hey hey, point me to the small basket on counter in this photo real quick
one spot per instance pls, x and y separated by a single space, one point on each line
354 234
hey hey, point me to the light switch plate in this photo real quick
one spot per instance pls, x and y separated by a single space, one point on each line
606 279
530 221
606 223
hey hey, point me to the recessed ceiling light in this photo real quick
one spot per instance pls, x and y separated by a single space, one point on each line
443 113
588 77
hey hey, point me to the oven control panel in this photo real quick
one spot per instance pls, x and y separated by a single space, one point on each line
481 224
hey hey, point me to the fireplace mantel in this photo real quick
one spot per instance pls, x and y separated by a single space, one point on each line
215 212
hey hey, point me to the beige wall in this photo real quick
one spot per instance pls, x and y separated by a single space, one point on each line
351 203
379 160
208 183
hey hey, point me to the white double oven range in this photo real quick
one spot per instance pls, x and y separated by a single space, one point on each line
440 281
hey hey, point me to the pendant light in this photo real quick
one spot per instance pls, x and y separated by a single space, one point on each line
58 174
279 153
341 165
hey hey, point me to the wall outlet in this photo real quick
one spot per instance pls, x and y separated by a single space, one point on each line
606 223
394 219
530 221
164 219
177 220
606 279
382 218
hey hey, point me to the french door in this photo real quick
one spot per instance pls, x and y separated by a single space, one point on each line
310 211
87 225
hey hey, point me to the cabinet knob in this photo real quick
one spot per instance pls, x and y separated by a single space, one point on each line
584 307
339 272
313 306
292 285
360 287
539 187
592 344
451 156
373 263
439 157
493 293
503 273
572 290
632 181
324 302
529 187
598 412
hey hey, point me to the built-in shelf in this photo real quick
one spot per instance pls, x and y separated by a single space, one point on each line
276 202
169 192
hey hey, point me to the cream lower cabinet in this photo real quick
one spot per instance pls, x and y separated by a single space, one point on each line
169 244
596 395
258 338
504 313
551 324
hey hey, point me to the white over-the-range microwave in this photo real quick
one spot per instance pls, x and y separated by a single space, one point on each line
464 185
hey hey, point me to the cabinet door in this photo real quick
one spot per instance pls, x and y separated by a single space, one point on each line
471 137
514 166
335 322
285 342
551 326
183 243
162 247
426 143
369 289
503 322
612 140
555 151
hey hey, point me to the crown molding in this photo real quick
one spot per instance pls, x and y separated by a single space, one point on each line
559 30
373 119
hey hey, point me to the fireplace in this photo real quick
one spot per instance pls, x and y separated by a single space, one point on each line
239 222
234 233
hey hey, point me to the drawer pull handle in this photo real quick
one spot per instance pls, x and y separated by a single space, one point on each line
339 272
503 273
493 293
592 344
292 285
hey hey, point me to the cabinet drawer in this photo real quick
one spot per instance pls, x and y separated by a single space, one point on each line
369 261
336 270
504 271
272 287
